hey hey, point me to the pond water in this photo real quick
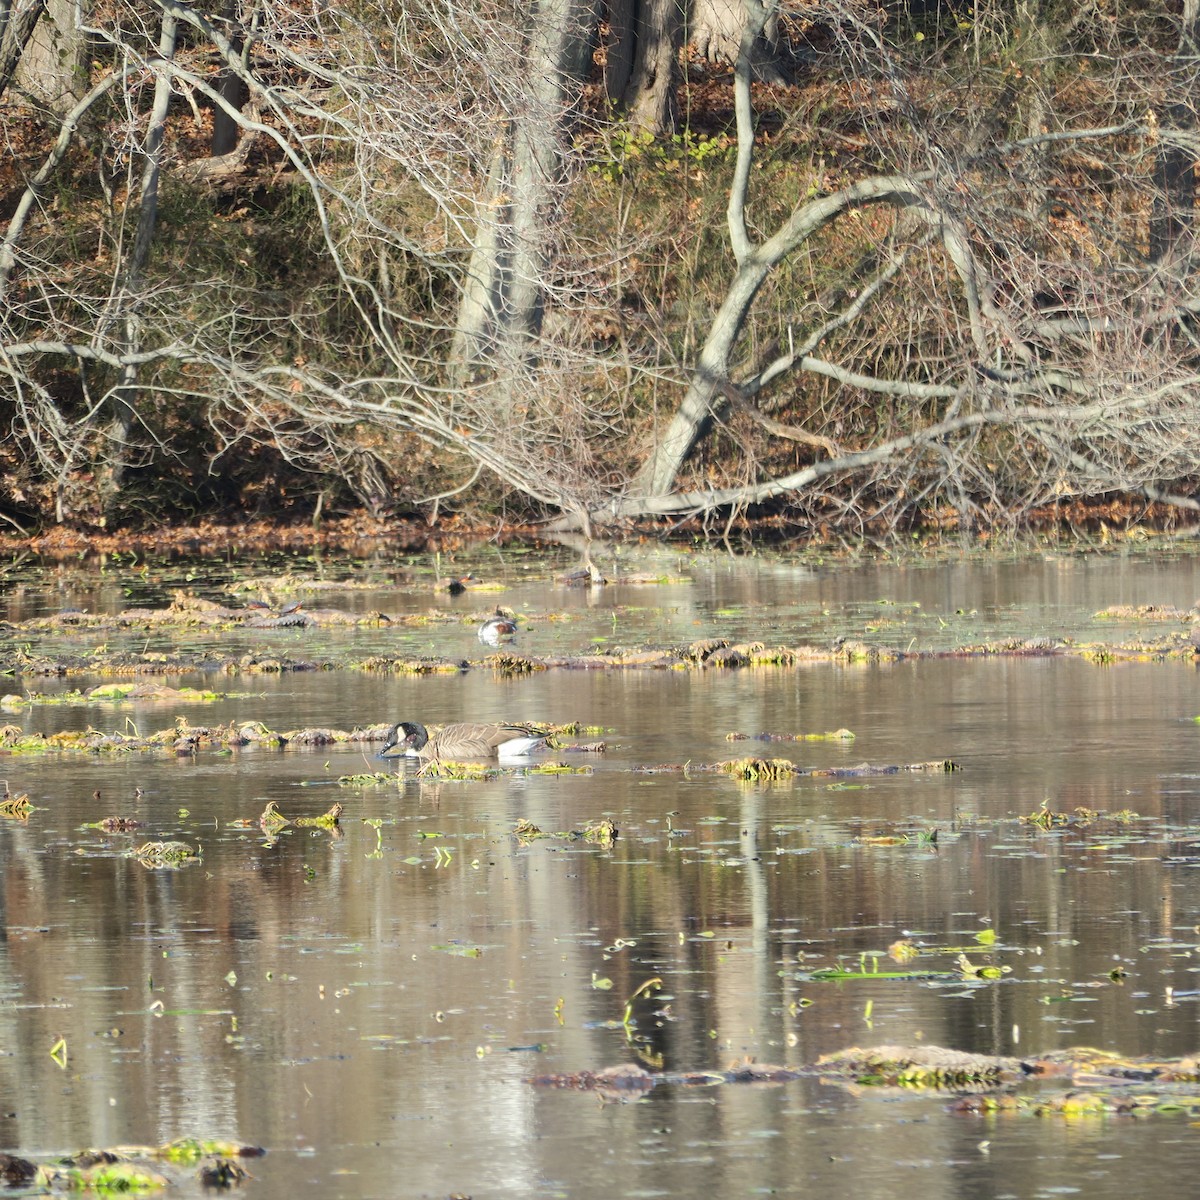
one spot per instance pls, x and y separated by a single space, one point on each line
368 1004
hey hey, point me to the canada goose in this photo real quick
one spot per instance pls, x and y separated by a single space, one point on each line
462 742
499 627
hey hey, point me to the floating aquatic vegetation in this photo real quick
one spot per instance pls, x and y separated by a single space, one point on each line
252 733
922 837
192 1150
646 993
862 652
971 971
447 769
1047 818
315 737
123 1169
758 770
1079 817
458 950
272 818
865 769
526 831
149 691
920 1067
1145 612
624 1080
1104 1086
188 612
143 691
164 854
16 807
409 666
903 950
719 652
840 974
113 1176
698 651
601 833
221 1172
1162 1100
506 663
747 655
183 737
115 825
370 779
632 1078
327 820
645 579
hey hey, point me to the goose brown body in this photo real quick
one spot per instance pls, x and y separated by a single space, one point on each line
464 741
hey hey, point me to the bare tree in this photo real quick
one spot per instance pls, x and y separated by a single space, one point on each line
124 309
1174 204
1069 366
420 150
500 314
949 314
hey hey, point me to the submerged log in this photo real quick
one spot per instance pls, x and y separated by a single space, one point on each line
1102 1083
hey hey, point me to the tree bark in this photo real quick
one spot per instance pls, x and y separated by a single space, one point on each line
501 309
50 68
694 416
642 63
231 87
716 30
1173 210
16 28
621 48
124 397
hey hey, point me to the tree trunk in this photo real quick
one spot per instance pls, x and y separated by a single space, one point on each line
231 87
500 312
695 415
621 48
1173 210
16 28
124 397
642 62
716 30
51 68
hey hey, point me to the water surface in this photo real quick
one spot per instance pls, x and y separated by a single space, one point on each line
370 1006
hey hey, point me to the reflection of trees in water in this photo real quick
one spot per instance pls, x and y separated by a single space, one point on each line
356 976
